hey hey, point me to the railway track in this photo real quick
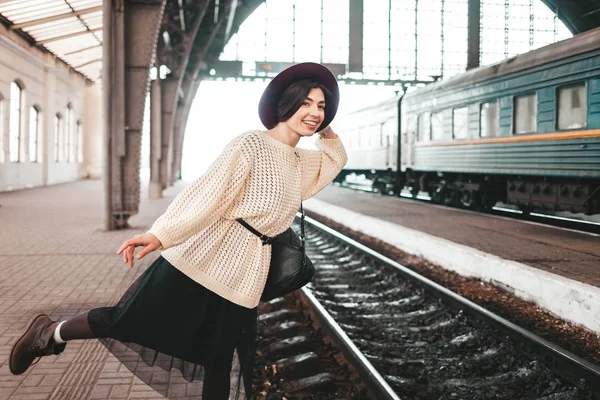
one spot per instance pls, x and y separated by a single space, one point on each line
409 338
296 359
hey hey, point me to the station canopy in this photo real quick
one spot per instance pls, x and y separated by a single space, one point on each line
71 29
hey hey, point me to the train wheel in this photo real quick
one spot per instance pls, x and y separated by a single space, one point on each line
378 187
435 196
469 198
414 192
450 197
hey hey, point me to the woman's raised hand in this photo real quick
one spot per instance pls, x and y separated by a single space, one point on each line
148 240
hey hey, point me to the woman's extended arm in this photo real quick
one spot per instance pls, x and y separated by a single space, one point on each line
197 206
319 167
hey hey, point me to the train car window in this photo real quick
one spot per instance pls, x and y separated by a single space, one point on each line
376 136
572 107
363 138
350 139
525 117
460 123
424 127
372 135
389 129
489 119
437 126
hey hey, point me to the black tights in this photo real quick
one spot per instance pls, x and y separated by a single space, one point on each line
216 384
216 381
77 328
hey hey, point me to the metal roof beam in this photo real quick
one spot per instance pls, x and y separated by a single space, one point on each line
232 8
70 35
57 17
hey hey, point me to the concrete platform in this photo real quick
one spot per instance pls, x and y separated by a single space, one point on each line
556 268
55 258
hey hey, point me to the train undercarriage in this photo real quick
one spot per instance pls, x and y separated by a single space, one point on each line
476 191
527 193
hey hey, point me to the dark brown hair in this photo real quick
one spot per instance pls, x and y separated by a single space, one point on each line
294 95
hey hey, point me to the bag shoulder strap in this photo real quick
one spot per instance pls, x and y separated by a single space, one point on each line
267 239
263 238
301 224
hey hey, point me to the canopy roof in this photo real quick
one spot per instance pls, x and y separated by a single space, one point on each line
71 29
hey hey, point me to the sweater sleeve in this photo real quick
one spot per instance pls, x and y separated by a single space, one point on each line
320 167
205 200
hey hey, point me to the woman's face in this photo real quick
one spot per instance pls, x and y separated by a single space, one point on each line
310 115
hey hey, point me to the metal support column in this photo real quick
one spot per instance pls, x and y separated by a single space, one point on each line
169 88
178 130
416 72
130 33
114 106
474 34
155 189
355 38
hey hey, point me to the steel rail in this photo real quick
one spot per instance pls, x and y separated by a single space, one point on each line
376 385
563 363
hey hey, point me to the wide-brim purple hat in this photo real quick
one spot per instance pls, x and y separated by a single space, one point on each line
267 106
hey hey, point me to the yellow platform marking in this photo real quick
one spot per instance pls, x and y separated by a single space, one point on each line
533 137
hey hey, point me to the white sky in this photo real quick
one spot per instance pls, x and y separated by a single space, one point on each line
223 110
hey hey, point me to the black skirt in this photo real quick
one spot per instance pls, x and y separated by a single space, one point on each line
167 320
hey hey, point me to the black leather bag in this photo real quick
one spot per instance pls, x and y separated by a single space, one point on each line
290 268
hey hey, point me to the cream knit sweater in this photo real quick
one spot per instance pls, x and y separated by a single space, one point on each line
259 179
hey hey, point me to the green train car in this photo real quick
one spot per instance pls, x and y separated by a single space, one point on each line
525 131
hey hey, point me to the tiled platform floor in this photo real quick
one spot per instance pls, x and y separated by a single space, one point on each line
56 258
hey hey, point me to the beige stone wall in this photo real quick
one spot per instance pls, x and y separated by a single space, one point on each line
50 86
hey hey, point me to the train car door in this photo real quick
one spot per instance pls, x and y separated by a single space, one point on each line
389 135
408 140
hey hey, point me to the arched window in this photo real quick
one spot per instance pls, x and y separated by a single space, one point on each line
35 142
68 133
58 128
16 102
79 142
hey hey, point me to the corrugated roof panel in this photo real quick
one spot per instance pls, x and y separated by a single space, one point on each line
72 34
58 27
82 57
45 20
30 5
81 4
69 45
21 14
93 71
93 20
20 17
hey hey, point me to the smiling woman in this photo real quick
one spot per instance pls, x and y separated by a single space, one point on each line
196 303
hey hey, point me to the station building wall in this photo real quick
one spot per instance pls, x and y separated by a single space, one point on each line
52 88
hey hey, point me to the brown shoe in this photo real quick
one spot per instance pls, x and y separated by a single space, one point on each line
37 341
